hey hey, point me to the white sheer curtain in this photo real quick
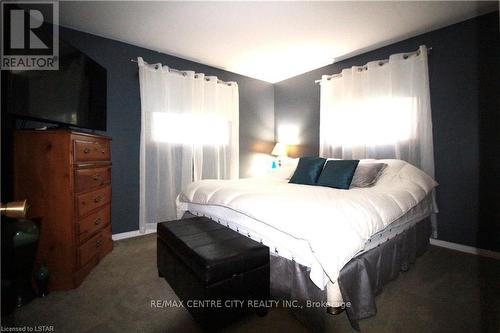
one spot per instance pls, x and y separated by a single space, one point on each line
189 131
380 110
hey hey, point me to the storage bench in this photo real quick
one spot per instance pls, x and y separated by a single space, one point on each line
216 272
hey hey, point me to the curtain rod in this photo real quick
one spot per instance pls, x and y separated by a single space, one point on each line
183 73
381 63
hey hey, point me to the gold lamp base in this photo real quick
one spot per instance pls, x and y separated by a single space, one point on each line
15 209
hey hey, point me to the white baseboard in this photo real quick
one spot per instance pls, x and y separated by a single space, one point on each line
135 233
466 249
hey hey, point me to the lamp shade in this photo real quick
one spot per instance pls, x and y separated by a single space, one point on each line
280 149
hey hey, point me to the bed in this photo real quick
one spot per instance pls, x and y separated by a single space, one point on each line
315 233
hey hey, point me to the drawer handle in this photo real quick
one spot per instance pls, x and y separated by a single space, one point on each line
86 150
98 199
97 221
98 244
97 177
103 151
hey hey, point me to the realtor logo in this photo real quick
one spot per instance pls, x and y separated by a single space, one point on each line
30 35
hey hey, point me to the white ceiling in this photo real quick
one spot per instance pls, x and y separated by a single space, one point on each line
270 41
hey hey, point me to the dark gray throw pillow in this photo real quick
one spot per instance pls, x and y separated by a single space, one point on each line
367 174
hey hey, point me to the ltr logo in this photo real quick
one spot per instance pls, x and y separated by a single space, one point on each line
30 35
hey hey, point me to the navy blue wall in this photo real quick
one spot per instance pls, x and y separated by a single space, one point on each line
464 72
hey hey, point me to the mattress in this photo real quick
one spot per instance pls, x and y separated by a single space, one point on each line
422 210
321 228
239 223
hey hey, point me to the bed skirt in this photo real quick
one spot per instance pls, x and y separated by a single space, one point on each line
360 280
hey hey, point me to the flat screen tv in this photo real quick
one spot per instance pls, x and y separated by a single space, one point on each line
74 95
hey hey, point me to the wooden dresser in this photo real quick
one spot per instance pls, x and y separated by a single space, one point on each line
66 177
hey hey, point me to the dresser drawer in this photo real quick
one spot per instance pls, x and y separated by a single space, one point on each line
92 223
91 200
86 179
96 247
95 150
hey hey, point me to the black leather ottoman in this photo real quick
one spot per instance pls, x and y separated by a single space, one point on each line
216 272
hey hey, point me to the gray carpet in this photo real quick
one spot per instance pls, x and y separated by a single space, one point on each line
446 291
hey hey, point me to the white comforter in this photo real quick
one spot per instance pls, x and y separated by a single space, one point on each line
334 223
